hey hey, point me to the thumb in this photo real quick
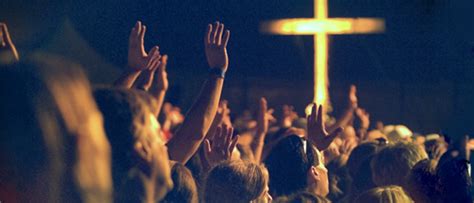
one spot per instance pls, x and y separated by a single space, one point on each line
207 146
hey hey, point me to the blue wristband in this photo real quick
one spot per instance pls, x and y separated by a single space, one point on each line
217 72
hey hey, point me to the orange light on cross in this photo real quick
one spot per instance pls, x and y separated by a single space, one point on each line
320 26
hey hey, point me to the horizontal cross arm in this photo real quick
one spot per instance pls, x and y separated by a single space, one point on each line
311 26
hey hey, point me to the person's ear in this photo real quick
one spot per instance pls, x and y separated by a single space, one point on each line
313 175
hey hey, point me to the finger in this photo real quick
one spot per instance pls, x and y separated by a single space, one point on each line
232 145
207 146
313 114
214 32
228 138
164 62
148 79
353 90
142 33
320 120
153 59
138 27
225 40
213 136
207 39
155 64
207 149
263 106
219 34
6 35
218 137
223 136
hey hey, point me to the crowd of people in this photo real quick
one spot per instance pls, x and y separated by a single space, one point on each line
64 141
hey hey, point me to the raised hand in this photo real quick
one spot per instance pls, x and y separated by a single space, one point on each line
264 117
289 115
221 113
353 101
161 76
137 57
8 52
215 45
220 145
317 133
146 77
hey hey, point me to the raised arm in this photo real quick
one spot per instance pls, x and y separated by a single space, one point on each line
199 118
8 53
263 121
160 84
317 133
138 59
348 113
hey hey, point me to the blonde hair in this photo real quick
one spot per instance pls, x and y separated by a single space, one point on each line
387 194
392 165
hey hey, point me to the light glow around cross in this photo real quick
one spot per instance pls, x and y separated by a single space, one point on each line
320 27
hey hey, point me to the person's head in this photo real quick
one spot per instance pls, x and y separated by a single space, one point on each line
302 197
184 186
137 148
454 180
295 165
359 154
422 182
52 145
236 181
392 164
386 194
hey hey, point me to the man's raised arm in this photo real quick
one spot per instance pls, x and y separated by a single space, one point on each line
199 118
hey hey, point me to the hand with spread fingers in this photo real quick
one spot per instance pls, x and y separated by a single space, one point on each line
8 52
215 42
137 57
219 146
317 133
146 77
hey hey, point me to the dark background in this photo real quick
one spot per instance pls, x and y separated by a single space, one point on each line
419 72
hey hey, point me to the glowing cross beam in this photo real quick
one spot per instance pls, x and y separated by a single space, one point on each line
320 27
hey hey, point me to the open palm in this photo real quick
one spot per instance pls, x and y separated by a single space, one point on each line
215 45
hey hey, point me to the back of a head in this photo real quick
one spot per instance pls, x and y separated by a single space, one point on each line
288 164
51 126
454 180
422 182
392 165
127 119
184 186
359 154
302 197
124 114
235 181
386 194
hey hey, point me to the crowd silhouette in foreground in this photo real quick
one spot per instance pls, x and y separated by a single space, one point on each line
64 141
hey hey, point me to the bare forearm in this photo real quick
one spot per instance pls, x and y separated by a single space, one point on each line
197 121
257 146
160 98
344 120
127 78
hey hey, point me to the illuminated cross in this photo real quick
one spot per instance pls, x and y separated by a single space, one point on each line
320 26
